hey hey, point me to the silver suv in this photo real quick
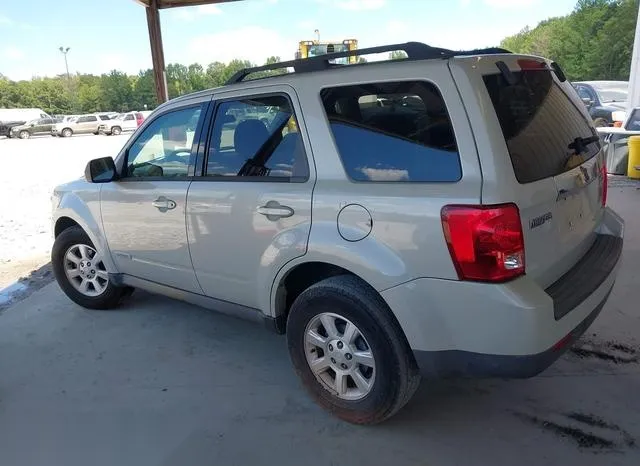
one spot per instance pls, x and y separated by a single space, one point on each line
443 214
82 124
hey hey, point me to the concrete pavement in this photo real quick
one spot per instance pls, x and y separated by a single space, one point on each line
159 382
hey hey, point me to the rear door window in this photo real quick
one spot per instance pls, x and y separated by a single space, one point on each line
393 131
539 122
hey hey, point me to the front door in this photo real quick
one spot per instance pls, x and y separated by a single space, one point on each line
44 126
143 214
250 211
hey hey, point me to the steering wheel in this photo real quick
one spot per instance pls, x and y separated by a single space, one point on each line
174 157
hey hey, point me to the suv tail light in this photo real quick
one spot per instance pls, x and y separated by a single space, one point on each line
605 185
485 242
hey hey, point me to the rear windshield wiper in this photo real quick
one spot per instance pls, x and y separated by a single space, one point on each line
579 145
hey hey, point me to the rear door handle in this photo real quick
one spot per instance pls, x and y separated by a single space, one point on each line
273 210
163 204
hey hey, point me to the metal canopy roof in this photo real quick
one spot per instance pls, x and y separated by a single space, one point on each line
177 3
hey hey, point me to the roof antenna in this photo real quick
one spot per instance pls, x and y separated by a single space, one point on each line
317 33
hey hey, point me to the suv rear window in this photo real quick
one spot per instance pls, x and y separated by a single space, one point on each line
538 121
393 131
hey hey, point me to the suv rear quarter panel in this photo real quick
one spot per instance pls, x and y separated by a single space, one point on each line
500 184
406 239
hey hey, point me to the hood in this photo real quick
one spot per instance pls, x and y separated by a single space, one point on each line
12 123
18 127
110 123
614 106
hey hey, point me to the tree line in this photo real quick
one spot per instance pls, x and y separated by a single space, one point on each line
593 42
116 91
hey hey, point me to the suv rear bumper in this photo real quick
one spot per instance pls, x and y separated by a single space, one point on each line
458 328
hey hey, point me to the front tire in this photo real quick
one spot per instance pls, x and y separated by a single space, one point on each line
24 134
67 133
116 130
80 272
350 352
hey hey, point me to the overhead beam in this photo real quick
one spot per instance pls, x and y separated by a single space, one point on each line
162 4
152 8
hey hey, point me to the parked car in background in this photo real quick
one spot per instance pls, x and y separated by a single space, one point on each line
10 117
121 123
603 98
34 127
616 142
81 125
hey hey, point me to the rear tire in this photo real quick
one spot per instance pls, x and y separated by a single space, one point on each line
376 376
76 261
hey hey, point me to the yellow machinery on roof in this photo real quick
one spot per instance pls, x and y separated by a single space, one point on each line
313 48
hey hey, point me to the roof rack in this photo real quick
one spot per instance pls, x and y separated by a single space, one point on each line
414 51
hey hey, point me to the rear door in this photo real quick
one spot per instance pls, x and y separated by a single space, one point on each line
250 211
540 151
87 124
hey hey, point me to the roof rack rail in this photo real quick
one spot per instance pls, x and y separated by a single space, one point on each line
414 51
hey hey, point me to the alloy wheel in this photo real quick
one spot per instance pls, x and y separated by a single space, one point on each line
339 356
85 270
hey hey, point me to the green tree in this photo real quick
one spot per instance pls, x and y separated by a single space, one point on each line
116 92
397 55
144 90
594 41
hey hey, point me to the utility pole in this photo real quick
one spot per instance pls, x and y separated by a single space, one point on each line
65 51
66 64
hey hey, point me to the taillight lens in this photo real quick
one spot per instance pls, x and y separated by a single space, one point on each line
605 185
485 242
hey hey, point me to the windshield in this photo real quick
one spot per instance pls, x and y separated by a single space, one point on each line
615 91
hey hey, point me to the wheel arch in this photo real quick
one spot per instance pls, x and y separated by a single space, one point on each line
72 211
294 279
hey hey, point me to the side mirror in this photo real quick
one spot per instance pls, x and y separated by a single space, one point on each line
587 101
101 170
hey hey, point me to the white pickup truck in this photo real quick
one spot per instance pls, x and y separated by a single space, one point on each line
123 122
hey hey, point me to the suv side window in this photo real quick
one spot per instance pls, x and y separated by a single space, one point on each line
91 118
258 138
164 148
393 131
128 117
82 119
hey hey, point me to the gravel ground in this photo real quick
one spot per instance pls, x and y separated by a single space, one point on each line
30 170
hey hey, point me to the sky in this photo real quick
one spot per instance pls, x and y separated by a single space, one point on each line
112 34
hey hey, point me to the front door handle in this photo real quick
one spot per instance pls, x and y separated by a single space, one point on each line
273 210
163 204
